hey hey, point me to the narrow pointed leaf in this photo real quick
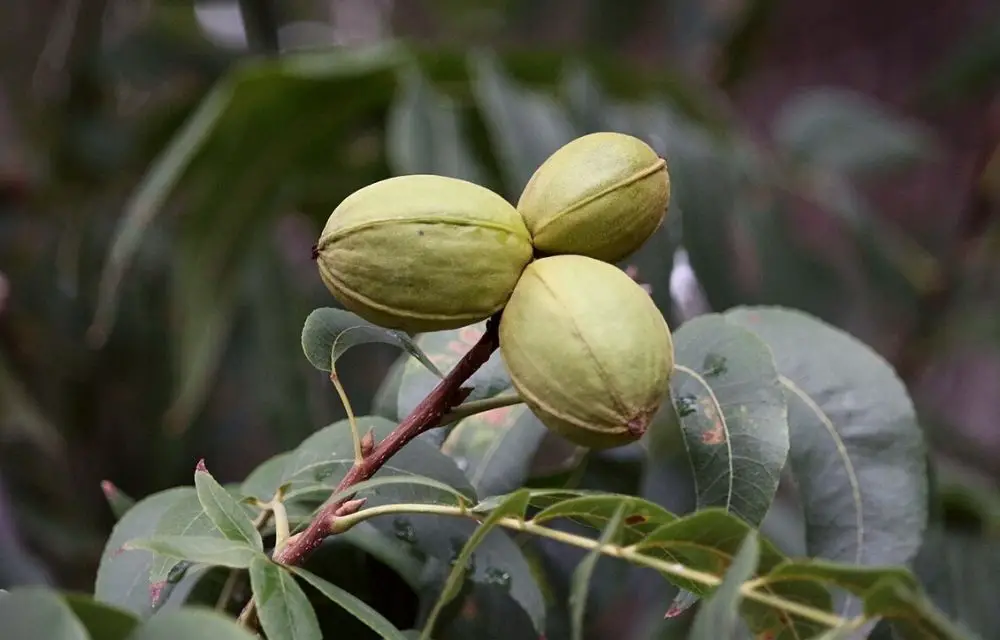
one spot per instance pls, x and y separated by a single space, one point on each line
199 549
641 517
229 516
350 603
513 506
580 582
236 184
857 580
282 605
718 616
118 500
910 613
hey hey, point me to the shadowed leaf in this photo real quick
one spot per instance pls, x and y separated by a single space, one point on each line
580 582
495 448
358 608
857 453
847 131
512 506
707 541
33 612
102 621
191 623
717 618
282 605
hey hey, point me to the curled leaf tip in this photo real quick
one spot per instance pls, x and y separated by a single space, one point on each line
200 467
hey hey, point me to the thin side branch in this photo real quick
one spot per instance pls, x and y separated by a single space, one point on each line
750 590
449 393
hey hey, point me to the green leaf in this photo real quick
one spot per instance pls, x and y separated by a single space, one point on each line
707 541
228 516
857 452
388 549
282 605
102 621
422 490
328 333
264 481
424 132
641 517
199 549
236 186
385 402
707 182
35 612
525 127
324 458
958 571
911 615
191 623
495 448
733 419
185 517
119 502
445 349
329 452
847 131
585 99
499 573
580 582
358 608
857 580
513 506
123 579
717 616
557 463
733 415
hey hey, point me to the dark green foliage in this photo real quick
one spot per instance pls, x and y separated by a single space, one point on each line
809 505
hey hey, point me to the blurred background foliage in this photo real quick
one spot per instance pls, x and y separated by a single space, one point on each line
165 167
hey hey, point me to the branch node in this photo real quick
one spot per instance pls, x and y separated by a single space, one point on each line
368 443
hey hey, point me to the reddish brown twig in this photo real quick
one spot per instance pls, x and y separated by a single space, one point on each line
446 395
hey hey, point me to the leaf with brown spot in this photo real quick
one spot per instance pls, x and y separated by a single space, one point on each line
732 416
